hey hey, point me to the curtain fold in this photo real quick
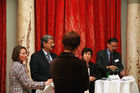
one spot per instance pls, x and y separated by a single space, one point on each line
95 20
3 46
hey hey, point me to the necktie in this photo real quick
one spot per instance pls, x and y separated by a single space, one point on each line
111 57
48 57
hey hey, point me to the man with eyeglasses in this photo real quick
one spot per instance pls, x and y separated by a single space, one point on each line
40 61
109 60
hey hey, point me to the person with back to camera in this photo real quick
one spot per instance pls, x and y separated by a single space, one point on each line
69 73
92 68
18 77
40 60
109 60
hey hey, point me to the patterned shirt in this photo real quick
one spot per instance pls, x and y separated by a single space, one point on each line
20 81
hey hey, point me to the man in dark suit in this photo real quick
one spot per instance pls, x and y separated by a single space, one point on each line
109 59
40 61
69 73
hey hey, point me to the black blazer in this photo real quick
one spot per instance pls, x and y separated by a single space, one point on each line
94 71
69 74
40 67
102 61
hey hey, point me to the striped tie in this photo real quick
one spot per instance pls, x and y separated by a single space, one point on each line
48 57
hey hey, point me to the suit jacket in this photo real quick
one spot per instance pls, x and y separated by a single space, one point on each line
40 67
20 81
69 74
102 61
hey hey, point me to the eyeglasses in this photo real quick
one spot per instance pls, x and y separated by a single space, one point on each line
114 46
51 43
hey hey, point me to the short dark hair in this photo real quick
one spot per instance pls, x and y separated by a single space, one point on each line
112 40
87 50
45 38
71 40
16 52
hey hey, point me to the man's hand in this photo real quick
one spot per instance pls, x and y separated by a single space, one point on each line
112 67
123 73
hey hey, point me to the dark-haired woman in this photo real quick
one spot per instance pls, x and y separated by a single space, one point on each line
18 77
92 68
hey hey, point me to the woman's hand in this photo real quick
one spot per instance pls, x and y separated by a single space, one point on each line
49 81
91 78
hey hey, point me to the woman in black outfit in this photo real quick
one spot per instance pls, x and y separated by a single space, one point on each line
93 72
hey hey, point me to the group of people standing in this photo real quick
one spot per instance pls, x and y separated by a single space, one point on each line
68 73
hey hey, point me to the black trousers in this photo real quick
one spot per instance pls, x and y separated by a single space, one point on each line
92 87
33 90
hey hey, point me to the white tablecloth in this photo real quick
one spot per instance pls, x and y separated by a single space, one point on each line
104 86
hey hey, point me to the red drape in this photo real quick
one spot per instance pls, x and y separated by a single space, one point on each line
95 20
2 46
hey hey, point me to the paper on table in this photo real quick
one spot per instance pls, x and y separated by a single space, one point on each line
128 78
87 91
47 89
113 77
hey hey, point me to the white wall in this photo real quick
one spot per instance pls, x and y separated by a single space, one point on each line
11 22
123 30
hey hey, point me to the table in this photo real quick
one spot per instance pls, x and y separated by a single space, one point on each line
104 86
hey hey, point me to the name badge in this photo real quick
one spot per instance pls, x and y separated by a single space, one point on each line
117 60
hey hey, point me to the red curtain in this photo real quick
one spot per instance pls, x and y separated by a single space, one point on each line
95 20
3 46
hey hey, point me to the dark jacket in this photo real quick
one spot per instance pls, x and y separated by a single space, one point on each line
69 74
40 67
93 71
